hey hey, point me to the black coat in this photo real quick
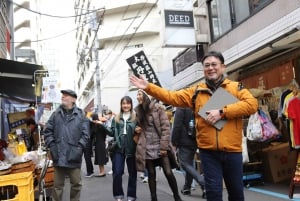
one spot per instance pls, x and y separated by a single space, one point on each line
180 136
99 134
67 136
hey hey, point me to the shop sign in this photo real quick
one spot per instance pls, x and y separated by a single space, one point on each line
280 75
179 18
50 90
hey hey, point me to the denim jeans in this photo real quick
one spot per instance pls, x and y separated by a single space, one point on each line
118 171
186 159
218 165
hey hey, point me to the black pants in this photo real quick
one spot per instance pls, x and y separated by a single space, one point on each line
88 153
165 163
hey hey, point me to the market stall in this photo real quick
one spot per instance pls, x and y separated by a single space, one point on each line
25 169
272 141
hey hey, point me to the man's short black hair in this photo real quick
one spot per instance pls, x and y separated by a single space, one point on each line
213 54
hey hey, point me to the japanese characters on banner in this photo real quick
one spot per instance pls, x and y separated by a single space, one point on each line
140 65
50 91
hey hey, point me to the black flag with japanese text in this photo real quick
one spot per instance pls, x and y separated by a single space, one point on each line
140 65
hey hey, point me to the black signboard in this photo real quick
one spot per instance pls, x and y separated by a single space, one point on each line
140 65
175 18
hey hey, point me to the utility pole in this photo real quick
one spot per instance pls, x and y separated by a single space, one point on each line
97 81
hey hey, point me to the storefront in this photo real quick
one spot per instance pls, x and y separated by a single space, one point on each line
21 169
269 79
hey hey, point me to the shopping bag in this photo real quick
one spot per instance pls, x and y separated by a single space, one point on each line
245 150
268 129
254 128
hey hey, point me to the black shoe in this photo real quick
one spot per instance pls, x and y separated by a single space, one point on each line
186 192
203 194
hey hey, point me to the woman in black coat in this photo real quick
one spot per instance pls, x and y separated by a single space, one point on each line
99 132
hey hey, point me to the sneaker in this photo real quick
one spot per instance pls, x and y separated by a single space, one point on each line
89 175
110 172
185 192
142 176
145 180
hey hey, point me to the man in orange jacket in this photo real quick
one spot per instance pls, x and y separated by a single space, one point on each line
220 150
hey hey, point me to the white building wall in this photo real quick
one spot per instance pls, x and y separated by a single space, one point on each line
127 28
29 29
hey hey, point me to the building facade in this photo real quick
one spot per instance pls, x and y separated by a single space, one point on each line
6 29
122 29
27 31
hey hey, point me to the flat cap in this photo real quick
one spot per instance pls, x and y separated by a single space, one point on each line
69 92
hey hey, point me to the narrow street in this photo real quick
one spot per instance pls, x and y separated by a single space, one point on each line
100 189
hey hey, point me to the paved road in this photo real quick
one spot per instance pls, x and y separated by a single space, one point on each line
100 189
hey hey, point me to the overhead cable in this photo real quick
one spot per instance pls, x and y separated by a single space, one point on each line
53 37
56 16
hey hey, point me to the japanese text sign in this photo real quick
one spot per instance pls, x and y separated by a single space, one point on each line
140 65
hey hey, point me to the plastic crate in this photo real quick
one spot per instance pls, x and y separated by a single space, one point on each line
23 181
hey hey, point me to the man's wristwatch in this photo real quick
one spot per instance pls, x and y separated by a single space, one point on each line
221 112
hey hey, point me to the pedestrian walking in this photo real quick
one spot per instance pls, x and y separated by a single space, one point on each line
220 150
88 153
184 139
109 117
153 142
123 126
66 135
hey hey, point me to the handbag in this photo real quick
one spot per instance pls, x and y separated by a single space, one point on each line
111 146
173 159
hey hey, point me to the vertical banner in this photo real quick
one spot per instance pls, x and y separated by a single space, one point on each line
140 65
50 90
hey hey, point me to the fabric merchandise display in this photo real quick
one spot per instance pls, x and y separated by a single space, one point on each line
260 127
294 116
268 129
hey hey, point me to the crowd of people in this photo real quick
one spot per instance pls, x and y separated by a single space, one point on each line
144 138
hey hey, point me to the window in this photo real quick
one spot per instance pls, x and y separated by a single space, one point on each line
184 60
227 14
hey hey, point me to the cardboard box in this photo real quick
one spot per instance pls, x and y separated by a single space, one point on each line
279 162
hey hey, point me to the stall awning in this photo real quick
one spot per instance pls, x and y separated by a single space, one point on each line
16 80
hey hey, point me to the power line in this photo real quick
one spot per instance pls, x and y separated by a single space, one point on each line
133 34
53 37
56 16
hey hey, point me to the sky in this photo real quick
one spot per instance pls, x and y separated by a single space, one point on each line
63 46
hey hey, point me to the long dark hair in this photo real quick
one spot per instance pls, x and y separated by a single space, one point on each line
132 113
143 110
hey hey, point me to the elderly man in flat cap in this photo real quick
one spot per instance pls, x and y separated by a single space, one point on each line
66 135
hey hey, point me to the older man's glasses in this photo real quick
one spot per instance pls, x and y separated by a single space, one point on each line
207 65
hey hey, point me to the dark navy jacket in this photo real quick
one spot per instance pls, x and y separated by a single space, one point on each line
180 135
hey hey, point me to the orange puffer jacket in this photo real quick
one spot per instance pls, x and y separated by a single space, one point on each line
228 139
